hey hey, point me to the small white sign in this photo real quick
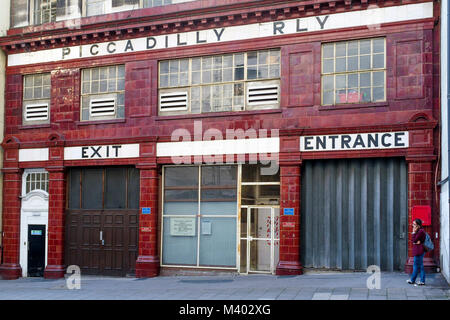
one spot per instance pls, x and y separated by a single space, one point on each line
357 141
182 227
206 228
115 151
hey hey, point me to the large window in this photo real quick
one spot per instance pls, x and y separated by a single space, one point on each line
354 72
199 216
36 99
232 82
103 93
55 10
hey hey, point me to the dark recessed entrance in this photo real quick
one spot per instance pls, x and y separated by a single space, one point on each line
36 250
354 214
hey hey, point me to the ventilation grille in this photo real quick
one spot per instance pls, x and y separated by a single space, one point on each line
173 101
262 95
102 107
36 112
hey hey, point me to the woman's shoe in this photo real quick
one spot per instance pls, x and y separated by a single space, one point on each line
409 281
420 284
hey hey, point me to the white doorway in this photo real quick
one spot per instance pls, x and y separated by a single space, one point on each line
34 211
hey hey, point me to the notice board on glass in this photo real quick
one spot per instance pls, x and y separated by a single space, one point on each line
182 227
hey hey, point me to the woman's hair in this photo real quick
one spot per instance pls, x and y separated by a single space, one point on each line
418 222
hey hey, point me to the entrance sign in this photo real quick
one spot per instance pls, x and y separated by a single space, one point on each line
375 16
102 152
358 141
182 227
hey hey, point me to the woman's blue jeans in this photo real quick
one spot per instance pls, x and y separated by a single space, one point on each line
418 266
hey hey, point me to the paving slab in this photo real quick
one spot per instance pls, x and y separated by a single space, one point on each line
320 286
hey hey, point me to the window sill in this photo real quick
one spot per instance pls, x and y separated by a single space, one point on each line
34 126
218 114
86 123
354 106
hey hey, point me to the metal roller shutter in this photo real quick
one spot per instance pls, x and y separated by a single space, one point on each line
354 214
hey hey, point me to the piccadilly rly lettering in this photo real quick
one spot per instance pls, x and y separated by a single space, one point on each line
177 40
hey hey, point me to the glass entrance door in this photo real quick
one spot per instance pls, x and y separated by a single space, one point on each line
259 239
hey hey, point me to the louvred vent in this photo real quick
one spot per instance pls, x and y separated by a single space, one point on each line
173 101
36 112
262 95
103 107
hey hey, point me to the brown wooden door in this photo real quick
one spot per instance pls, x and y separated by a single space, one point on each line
102 241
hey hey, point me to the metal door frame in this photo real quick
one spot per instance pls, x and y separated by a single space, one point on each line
248 238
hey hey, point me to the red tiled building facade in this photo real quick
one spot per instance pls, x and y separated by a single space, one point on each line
131 137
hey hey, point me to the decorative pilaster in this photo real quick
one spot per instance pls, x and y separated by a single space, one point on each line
56 188
55 267
289 263
147 264
420 189
12 185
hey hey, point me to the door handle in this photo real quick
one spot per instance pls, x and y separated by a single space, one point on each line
403 231
101 238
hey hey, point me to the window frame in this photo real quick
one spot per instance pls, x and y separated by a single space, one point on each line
243 105
357 72
99 95
36 101
198 215
28 173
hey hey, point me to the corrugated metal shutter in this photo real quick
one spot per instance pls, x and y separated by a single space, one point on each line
354 214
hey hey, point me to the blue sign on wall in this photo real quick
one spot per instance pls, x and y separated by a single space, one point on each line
288 211
146 210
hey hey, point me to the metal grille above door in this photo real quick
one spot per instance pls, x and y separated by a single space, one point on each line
354 214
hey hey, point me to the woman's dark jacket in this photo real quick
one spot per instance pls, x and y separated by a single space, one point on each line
418 249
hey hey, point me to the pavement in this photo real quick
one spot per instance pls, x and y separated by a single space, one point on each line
309 286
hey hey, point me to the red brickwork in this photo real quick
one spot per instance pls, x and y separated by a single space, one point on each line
56 207
289 225
419 194
147 264
412 83
12 187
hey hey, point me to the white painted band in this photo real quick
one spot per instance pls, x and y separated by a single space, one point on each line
35 154
218 147
370 17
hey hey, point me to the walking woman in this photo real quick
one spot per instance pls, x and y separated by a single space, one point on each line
418 238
